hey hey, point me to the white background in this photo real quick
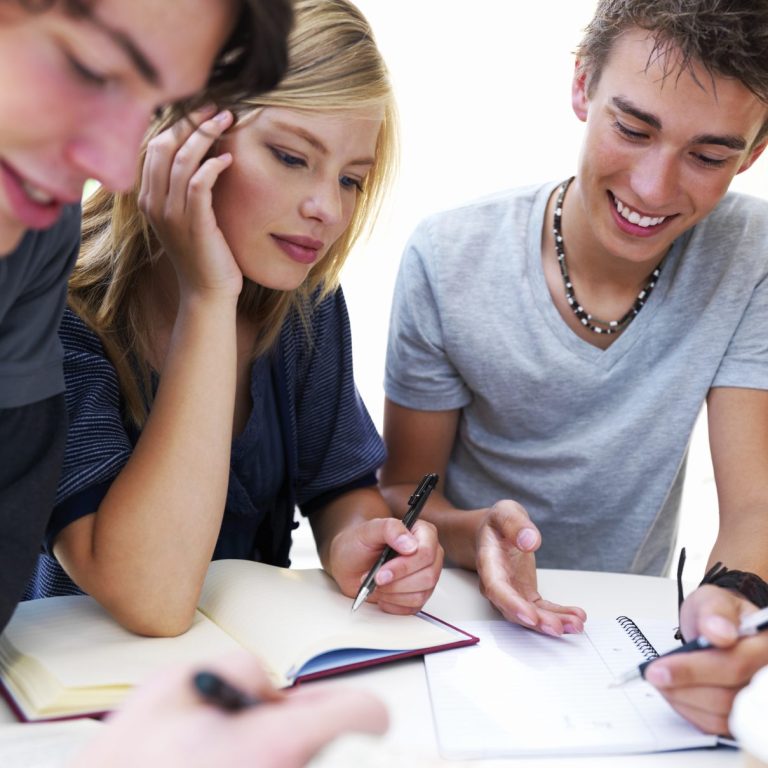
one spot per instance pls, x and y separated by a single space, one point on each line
484 100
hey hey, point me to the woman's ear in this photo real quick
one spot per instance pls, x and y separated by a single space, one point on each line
579 97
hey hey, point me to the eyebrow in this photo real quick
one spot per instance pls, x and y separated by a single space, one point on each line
313 141
140 61
729 141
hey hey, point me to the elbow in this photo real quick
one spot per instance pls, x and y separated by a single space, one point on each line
154 623
166 617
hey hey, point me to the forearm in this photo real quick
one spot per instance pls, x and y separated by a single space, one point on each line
148 546
742 542
457 528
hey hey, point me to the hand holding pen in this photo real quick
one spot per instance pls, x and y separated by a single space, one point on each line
415 505
750 625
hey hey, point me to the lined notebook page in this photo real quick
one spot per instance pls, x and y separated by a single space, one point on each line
521 693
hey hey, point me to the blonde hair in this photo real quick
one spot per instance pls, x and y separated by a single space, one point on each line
333 65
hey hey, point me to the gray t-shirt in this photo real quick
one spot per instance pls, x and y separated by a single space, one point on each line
33 290
593 443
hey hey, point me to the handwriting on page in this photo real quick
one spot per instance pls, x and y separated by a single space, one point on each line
519 693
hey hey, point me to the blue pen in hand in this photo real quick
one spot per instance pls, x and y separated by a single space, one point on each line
415 504
750 625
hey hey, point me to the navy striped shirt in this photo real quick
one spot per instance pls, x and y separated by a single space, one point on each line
308 440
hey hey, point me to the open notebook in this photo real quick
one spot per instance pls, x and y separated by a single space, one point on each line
65 657
520 693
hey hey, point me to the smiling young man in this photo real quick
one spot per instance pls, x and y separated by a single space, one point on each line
79 82
551 348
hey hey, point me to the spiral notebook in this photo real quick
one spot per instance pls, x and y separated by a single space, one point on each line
519 693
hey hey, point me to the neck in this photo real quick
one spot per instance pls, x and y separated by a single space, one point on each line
589 263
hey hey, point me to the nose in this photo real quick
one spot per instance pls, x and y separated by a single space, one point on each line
107 147
323 202
655 179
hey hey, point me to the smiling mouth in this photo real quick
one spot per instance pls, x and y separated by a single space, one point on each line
36 194
634 217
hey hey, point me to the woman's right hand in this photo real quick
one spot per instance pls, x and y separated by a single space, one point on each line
175 196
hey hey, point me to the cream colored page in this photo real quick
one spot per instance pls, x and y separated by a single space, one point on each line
45 745
288 616
81 645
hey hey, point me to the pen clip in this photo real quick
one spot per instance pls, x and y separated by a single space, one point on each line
427 482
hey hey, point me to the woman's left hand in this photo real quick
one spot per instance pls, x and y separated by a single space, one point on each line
405 582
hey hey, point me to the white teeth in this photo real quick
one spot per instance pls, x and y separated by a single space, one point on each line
635 218
37 194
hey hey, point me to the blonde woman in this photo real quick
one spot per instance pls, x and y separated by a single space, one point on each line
208 356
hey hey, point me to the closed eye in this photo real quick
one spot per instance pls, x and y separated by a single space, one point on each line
710 162
85 74
628 132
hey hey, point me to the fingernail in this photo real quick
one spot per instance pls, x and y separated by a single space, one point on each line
720 626
405 543
384 577
550 630
657 675
572 629
526 538
521 617
223 117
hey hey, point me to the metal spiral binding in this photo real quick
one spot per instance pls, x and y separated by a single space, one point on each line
638 638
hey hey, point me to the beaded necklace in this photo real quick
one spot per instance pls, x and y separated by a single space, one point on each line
594 324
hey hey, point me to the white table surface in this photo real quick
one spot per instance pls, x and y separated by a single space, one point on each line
403 685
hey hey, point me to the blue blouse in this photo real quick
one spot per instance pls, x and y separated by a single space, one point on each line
308 439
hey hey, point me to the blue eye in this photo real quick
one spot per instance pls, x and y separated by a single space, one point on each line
350 183
287 159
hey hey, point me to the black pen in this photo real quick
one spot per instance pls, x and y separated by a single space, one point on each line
217 691
415 505
750 625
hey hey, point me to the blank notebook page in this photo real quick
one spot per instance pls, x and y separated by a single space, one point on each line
521 693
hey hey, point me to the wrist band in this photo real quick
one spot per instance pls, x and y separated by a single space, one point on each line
748 584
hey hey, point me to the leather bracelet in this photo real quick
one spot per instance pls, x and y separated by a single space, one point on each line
748 584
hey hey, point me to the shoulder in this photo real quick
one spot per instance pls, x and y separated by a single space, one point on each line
77 337
475 215
735 213
477 228
735 233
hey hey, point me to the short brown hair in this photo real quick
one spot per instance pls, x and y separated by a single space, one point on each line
252 60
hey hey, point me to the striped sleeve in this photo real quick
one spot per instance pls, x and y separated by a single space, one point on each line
98 445
337 443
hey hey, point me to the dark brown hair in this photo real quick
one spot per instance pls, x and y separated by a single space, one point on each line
729 38
253 59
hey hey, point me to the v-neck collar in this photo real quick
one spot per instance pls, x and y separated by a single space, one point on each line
549 314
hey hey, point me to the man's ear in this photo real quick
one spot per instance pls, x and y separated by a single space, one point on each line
753 155
579 98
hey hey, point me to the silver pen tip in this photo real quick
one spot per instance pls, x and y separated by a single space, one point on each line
627 677
360 599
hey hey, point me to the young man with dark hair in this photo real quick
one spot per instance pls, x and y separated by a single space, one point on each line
551 347
79 83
